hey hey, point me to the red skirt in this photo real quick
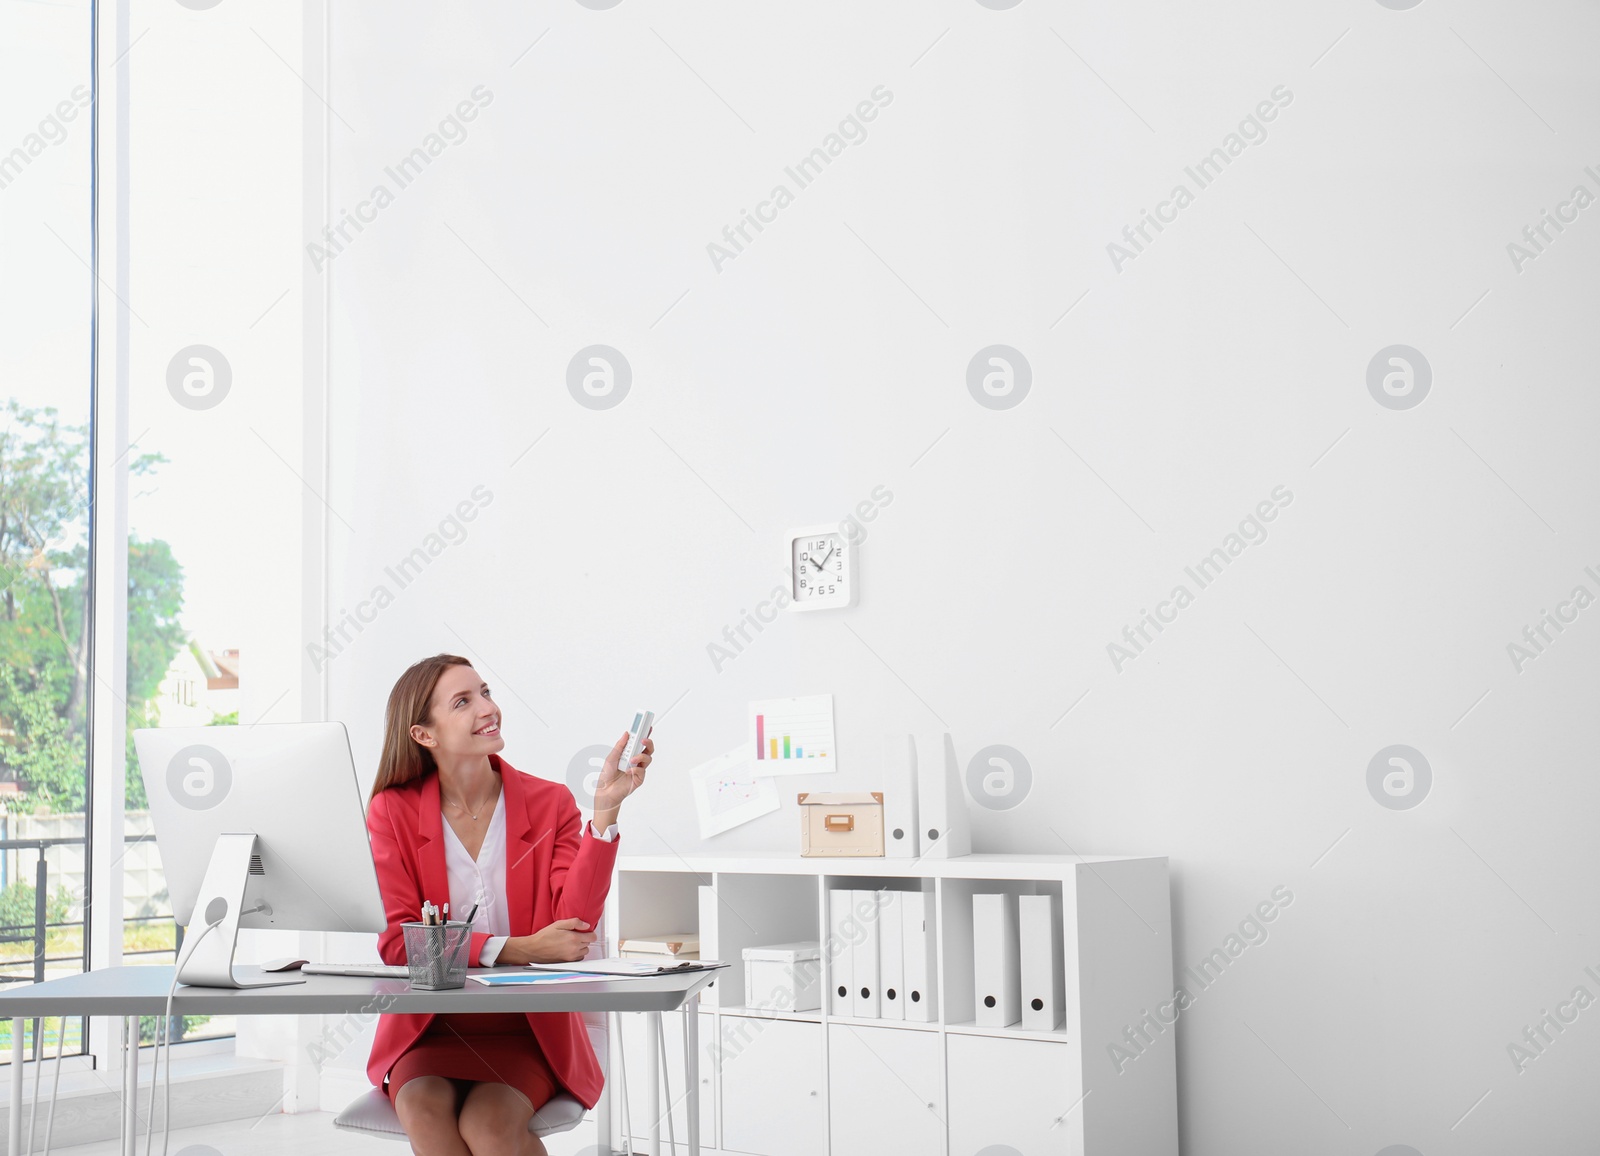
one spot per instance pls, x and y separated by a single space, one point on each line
497 1048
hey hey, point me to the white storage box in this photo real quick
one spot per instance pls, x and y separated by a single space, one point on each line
783 976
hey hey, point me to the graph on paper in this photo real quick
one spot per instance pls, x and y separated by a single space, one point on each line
792 736
727 793
734 791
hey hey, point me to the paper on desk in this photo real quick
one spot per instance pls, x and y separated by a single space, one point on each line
727 793
631 968
525 979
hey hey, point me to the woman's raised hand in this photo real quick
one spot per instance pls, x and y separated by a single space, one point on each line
616 782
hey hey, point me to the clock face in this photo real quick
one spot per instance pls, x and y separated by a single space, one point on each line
821 570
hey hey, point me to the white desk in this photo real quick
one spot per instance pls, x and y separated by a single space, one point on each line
131 992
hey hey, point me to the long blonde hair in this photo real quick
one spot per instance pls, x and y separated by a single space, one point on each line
404 760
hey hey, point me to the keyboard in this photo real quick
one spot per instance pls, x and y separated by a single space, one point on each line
382 970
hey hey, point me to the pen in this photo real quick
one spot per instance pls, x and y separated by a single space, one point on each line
466 939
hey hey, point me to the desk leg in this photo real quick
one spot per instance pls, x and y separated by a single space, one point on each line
122 1117
602 1108
14 1125
130 1086
653 1045
691 1070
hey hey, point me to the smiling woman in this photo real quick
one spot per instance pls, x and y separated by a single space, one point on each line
452 822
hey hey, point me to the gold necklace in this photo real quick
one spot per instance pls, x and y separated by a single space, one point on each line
459 807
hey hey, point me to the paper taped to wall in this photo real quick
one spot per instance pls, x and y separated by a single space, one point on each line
727 792
793 736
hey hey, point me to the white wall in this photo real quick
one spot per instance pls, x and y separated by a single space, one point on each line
1177 393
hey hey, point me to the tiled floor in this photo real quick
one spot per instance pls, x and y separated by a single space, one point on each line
304 1134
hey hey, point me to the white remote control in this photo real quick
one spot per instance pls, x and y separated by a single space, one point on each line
637 733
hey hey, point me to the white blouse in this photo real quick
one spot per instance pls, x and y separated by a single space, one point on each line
482 881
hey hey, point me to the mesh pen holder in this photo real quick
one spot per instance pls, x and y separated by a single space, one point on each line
437 954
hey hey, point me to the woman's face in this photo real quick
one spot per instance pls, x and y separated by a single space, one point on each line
462 719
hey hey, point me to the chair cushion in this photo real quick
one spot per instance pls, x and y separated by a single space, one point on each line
372 1114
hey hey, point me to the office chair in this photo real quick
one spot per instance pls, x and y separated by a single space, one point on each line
371 1113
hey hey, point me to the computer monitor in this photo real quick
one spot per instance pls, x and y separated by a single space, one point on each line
259 826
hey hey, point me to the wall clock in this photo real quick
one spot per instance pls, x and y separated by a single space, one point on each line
822 569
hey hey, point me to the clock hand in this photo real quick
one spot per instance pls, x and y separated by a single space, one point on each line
825 557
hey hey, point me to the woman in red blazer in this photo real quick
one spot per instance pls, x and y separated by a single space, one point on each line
468 1085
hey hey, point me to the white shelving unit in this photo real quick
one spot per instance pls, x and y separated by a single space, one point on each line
803 1083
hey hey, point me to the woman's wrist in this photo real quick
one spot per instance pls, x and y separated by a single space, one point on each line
605 818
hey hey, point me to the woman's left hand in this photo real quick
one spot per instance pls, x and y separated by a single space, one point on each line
618 782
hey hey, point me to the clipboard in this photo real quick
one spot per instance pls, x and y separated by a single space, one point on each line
627 968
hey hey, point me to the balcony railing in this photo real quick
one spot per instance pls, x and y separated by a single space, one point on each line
41 926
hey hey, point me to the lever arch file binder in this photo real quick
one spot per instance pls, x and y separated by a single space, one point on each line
995 980
891 957
839 951
901 837
864 958
944 827
1039 957
917 945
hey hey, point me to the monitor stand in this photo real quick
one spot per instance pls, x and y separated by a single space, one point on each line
209 962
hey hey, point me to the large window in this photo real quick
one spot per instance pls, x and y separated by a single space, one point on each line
214 260
46 301
205 281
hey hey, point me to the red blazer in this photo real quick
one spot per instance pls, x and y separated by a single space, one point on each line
555 870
